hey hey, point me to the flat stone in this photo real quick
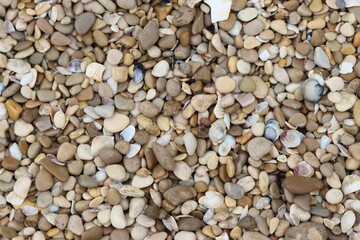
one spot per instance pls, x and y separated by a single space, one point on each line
110 156
163 156
116 123
224 84
75 225
148 109
60 39
201 102
179 194
161 69
66 152
44 180
302 231
117 217
87 181
190 143
84 22
302 185
56 170
184 16
249 235
126 4
46 95
258 147
149 35
22 129
10 163
189 224
234 190
254 27
116 172
93 233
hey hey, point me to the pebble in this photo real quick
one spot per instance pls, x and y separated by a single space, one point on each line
302 185
258 147
66 152
303 229
190 143
161 69
117 217
149 35
233 190
356 112
163 156
116 172
22 186
201 102
22 129
57 171
92 233
75 225
116 123
179 194
225 84
84 22
334 196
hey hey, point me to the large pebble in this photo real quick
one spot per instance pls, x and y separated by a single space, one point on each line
224 84
75 225
116 172
321 59
84 22
117 217
302 185
161 69
190 143
116 123
22 186
22 129
258 147
303 229
185 235
234 190
201 102
66 152
149 35
179 194
163 156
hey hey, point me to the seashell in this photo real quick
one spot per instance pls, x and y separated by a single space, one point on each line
272 130
208 215
164 140
186 88
111 19
63 71
128 190
128 133
29 77
349 122
74 65
2 88
100 142
262 108
227 120
156 197
166 31
304 169
334 125
134 149
229 139
324 141
170 224
51 217
224 149
9 27
107 101
14 199
343 150
191 3
95 71
345 68
29 210
291 138
312 90
139 72
212 199
217 131
262 202
218 109
350 184
12 214
15 151
244 212
251 120
223 236
116 185
281 211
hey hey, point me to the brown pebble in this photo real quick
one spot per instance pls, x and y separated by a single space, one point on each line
302 185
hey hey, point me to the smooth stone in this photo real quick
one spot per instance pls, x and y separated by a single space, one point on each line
116 172
185 235
87 181
105 111
350 184
10 163
301 231
182 171
117 217
302 185
93 233
161 69
149 35
128 4
60 39
163 156
224 84
142 182
254 27
347 101
247 84
22 129
46 95
66 152
116 123
189 224
334 196
249 235
201 102
190 143
356 112
56 170
44 180
234 190
114 56
148 109
179 194
258 147
75 225
184 16
22 187
84 22
110 156
347 221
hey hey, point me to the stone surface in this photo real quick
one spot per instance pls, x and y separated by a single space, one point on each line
302 185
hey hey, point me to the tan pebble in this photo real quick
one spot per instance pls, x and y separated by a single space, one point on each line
225 84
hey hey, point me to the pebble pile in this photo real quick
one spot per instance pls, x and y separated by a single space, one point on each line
179 119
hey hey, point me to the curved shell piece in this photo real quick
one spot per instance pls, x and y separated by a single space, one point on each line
291 138
304 169
272 130
218 109
312 90
217 131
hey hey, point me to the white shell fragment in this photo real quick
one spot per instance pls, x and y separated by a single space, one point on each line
128 133
291 138
220 10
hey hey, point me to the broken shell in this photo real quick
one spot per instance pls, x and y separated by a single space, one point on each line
312 90
128 133
350 184
324 141
272 130
212 199
208 215
220 10
262 202
218 109
291 138
139 72
251 120
74 65
29 210
95 71
262 108
224 149
134 149
217 131
304 169
8 27
101 142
